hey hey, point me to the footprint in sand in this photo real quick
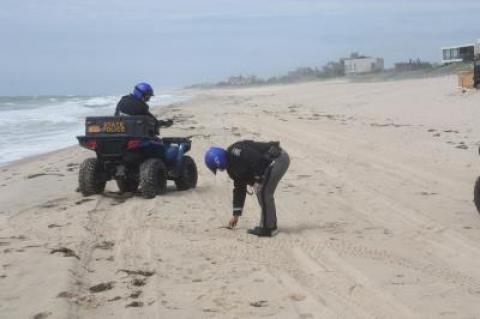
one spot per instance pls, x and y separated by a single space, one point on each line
135 304
135 294
297 297
209 310
42 315
139 282
259 303
102 287
43 174
427 193
67 252
66 295
84 200
72 167
303 176
137 272
19 237
105 245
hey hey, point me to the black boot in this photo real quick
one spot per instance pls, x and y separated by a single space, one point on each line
263 232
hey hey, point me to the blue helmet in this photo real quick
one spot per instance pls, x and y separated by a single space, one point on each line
216 158
143 91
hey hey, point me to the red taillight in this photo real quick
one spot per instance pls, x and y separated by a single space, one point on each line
90 144
134 143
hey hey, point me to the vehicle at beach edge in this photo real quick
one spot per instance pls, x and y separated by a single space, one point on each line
129 151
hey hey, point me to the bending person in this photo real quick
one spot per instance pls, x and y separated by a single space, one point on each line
257 164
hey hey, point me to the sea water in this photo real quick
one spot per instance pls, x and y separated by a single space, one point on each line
31 125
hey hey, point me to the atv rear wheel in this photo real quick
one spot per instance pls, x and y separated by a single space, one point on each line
90 177
189 176
476 194
153 178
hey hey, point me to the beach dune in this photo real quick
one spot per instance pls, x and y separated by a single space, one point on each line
375 215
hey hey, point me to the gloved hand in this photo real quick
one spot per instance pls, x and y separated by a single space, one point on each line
257 187
168 123
233 222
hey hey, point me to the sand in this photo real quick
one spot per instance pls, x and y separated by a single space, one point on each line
375 214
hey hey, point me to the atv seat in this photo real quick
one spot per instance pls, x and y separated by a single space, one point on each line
178 140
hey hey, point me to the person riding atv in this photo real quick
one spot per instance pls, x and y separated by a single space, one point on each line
136 104
130 151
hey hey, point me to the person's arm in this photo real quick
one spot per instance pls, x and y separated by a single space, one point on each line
117 110
147 113
239 195
165 123
160 123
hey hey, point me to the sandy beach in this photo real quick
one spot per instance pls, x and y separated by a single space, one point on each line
375 215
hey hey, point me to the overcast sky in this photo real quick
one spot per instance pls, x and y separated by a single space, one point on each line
105 46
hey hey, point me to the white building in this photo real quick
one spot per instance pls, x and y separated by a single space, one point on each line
461 53
458 53
363 65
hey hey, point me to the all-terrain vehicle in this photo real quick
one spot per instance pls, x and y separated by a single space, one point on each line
130 152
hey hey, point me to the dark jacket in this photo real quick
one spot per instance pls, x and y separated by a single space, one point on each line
246 164
130 105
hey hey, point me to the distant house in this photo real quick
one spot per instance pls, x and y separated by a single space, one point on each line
458 53
363 65
412 65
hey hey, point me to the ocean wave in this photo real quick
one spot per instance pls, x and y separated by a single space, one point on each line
34 125
101 101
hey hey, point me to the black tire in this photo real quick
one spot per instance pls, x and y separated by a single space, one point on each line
128 185
153 178
91 178
476 194
189 176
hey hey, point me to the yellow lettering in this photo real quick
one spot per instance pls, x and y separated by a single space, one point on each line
114 127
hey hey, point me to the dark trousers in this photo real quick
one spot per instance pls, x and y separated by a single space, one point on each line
272 176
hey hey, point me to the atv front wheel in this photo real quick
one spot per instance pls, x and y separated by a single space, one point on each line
189 176
153 178
90 177
476 194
